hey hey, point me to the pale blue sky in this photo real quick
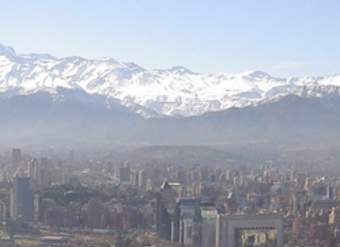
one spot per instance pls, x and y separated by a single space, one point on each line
282 37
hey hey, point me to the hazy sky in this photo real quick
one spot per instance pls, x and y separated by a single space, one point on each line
282 37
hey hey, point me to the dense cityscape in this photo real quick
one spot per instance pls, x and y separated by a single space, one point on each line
74 201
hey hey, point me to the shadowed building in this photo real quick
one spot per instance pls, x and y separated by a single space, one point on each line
21 199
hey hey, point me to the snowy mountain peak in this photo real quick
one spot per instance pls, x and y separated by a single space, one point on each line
180 70
256 74
7 50
174 92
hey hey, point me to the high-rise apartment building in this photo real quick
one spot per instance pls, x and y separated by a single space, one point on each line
21 199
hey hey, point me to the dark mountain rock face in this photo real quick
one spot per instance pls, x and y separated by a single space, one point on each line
73 117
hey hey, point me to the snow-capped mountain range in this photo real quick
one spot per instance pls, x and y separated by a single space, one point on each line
159 92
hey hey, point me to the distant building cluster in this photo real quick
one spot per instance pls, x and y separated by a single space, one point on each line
198 206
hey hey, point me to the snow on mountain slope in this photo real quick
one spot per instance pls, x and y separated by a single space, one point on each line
174 92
